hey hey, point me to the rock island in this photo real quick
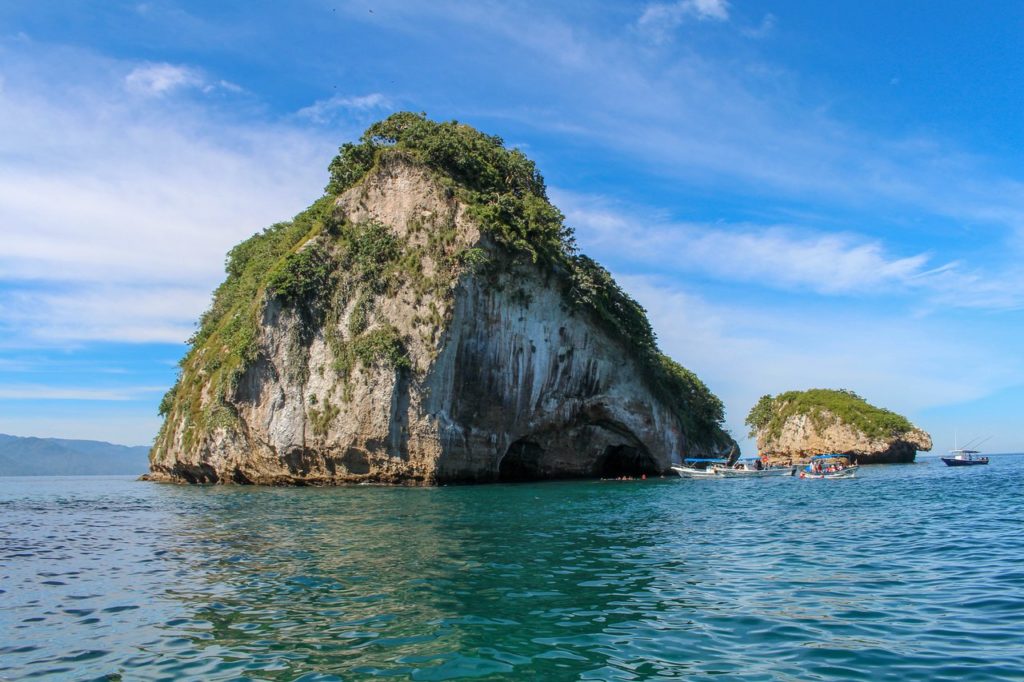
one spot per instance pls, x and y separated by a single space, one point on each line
794 426
428 320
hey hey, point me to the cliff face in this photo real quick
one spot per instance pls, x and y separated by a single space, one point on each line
425 350
801 439
795 426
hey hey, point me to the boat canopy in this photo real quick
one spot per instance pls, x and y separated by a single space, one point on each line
700 459
831 455
967 452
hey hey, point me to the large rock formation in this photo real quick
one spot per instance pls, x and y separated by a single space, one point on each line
426 321
792 427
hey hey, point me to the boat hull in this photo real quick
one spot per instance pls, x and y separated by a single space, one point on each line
953 462
752 473
687 472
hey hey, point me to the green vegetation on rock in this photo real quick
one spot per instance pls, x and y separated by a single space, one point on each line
326 270
824 406
504 188
227 339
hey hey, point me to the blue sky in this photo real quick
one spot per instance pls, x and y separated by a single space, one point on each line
801 194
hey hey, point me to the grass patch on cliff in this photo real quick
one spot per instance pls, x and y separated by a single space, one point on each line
302 275
383 344
824 406
321 418
226 340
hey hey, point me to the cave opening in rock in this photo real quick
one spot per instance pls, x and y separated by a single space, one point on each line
522 462
626 460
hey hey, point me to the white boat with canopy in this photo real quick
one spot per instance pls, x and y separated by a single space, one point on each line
830 465
751 467
699 467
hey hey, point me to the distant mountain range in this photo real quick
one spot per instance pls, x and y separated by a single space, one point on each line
62 457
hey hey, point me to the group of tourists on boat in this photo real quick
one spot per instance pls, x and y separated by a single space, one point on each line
827 465
751 467
821 468
830 465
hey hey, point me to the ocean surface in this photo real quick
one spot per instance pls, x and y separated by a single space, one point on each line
911 572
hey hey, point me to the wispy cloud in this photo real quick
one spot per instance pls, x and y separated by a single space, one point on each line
739 126
762 30
117 210
138 312
162 78
323 111
659 20
45 392
672 14
159 79
774 256
784 257
743 351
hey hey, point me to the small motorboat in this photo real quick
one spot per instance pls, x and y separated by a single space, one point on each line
830 465
698 467
751 467
964 458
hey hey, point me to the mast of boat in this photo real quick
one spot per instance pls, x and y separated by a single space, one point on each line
983 441
974 443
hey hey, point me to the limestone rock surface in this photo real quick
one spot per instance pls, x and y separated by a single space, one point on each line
803 436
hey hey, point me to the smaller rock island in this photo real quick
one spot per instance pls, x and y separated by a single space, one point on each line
792 427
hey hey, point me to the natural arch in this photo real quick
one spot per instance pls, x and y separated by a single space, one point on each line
522 462
626 460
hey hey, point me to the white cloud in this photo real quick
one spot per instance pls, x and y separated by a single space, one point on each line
161 79
674 13
770 255
737 124
762 30
117 211
127 311
782 257
660 19
44 392
323 111
158 79
742 351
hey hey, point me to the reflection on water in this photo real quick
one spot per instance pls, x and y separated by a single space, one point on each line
769 579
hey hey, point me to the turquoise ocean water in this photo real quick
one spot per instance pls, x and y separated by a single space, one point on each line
909 572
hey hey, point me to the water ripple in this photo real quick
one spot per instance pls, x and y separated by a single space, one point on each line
906 573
